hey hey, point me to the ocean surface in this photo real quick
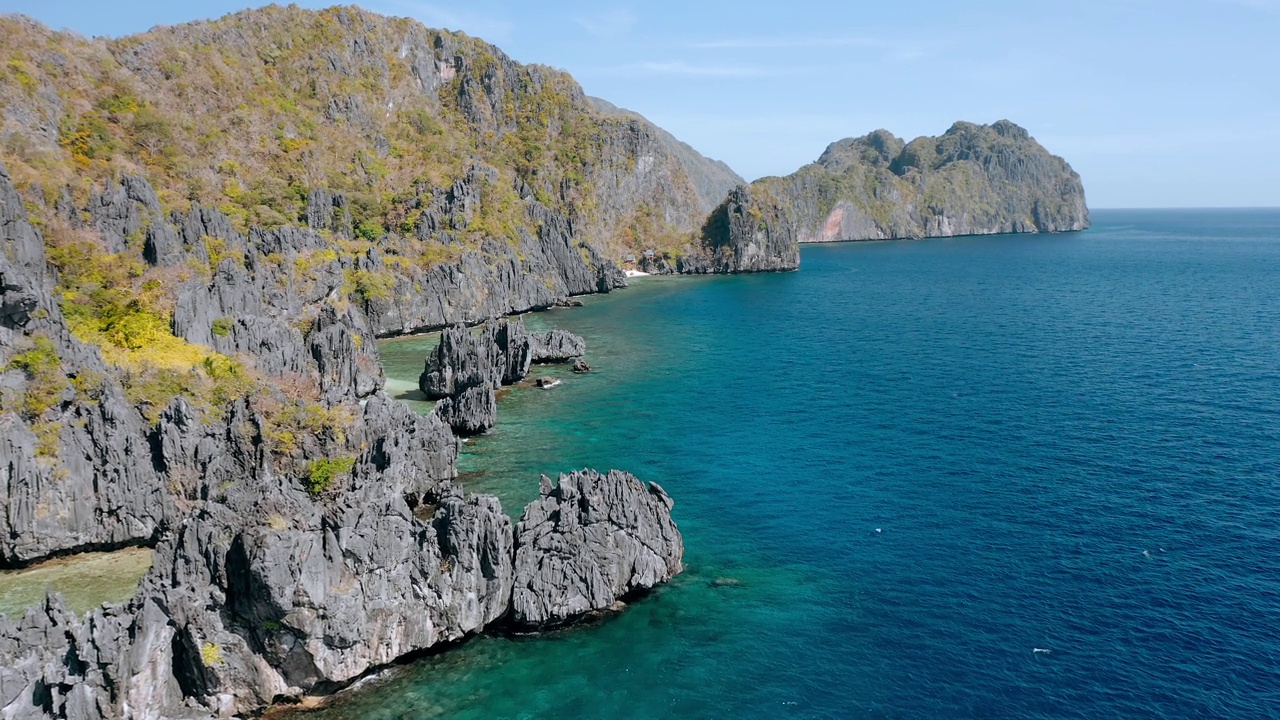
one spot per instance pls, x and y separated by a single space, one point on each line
902 470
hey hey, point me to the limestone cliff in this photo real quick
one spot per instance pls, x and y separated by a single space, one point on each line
306 526
971 180
712 180
203 229
450 183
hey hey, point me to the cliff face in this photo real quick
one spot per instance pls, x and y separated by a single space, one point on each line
972 180
451 183
237 208
203 231
743 235
306 526
712 180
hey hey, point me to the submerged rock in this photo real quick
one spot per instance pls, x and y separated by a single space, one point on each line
588 542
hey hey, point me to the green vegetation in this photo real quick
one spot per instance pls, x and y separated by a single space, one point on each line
192 130
369 285
119 304
321 473
218 251
45 378
249 114
980 178
222 326
288 423
46 382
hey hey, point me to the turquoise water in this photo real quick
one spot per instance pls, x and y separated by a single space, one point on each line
903 468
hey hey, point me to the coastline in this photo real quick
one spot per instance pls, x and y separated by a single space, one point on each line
792 597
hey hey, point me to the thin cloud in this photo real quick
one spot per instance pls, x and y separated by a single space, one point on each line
612 24
788 43
889 50
685 69
479 22
1263 5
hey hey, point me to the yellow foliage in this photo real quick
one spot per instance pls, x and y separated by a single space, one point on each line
210 654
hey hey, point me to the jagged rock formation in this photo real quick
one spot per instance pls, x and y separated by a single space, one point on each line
466 369
69 478
191 288
311 595
456 172
971 180
589 541
557 346
735 240
472 411
305 525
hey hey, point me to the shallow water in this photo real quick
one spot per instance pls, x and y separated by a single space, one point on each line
85 581
903 468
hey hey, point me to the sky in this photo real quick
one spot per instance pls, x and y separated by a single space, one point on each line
1156 103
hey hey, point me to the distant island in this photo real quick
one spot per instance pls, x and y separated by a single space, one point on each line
205 230
971 180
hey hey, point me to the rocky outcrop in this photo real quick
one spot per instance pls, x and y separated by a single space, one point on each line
115 663
540 267
304 535
466 369
70 475
400 135
557 346
739 238
589 541
462 359
272 593
294 546
305 526
307 595
472 411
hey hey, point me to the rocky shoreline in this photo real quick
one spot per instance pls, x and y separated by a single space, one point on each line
305 534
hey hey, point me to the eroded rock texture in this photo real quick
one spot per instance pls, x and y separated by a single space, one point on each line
589 541
468 366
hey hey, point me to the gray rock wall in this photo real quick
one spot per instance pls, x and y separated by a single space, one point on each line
589 541
288 559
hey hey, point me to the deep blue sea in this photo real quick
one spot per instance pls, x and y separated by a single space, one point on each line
902 469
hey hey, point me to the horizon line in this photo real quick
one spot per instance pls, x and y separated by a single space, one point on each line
1187 207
